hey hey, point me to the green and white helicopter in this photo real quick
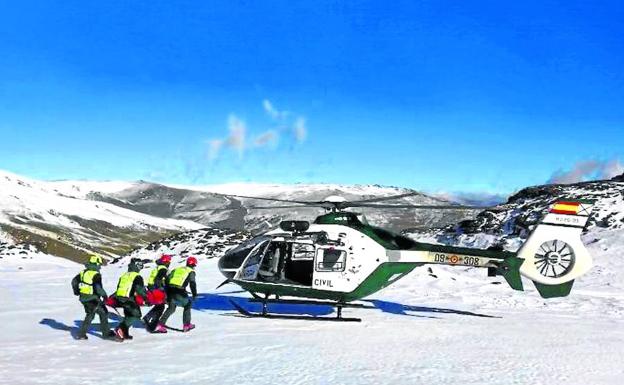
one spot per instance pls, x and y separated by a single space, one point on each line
340 258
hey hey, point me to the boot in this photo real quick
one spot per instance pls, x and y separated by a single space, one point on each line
81 337
126 332
160 328
119 333
150 326
188 327
112 336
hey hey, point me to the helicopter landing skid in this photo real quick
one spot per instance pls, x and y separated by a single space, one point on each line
258 299
265 314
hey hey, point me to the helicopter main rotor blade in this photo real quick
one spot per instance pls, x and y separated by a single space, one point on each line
282 207
211 209
370 203
264 199
381 199
323 203
429 207
255 208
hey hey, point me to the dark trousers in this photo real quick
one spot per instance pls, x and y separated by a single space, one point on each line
174 300
153 316
132 313
91 309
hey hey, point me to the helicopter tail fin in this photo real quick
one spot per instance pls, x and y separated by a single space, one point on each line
554 255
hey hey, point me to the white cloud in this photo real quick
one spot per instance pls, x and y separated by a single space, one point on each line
612 169
236 139
482 199
268 138
214 147
579 172
273 112
296 127
588 170
300 130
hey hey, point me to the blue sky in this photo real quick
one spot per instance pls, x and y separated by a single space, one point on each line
434 95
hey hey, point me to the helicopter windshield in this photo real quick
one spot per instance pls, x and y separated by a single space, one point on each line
252 263
234 257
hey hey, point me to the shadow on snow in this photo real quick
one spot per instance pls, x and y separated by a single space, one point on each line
398 308
207 301
94 328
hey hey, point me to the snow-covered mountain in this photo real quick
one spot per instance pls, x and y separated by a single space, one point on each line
504 225
215 206
72 218
59 219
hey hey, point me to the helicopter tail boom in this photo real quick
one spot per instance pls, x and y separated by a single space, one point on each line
554 255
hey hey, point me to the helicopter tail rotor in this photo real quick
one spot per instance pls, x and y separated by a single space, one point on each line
554 255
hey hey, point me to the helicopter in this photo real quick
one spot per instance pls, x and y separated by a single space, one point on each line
340 258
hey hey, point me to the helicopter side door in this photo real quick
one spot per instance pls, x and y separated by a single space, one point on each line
329 267
299 268
250 267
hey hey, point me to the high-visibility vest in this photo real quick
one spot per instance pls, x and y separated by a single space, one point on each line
124 287
178 276
86 281
152 278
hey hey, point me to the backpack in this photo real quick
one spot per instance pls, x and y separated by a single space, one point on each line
75 283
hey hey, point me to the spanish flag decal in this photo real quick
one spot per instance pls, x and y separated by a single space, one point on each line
566 208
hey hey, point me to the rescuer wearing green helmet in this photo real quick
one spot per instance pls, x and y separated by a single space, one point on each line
88 286
130 295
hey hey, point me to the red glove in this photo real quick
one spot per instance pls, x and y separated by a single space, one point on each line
156 297
139 300
110 301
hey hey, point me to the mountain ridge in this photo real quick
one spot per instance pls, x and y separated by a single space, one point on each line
75 218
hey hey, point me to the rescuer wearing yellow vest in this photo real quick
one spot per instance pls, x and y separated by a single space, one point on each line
88 286
130 295
157 282
177 281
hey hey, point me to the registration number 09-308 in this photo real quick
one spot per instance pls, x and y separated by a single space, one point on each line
455 259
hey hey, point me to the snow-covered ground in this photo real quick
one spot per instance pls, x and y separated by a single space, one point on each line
450 326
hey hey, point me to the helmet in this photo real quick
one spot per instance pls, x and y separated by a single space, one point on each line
191 262
95 259
164 259
136 262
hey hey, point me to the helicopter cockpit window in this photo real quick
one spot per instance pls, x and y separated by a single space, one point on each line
235 257
252 263
302 251
331 260
272 266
